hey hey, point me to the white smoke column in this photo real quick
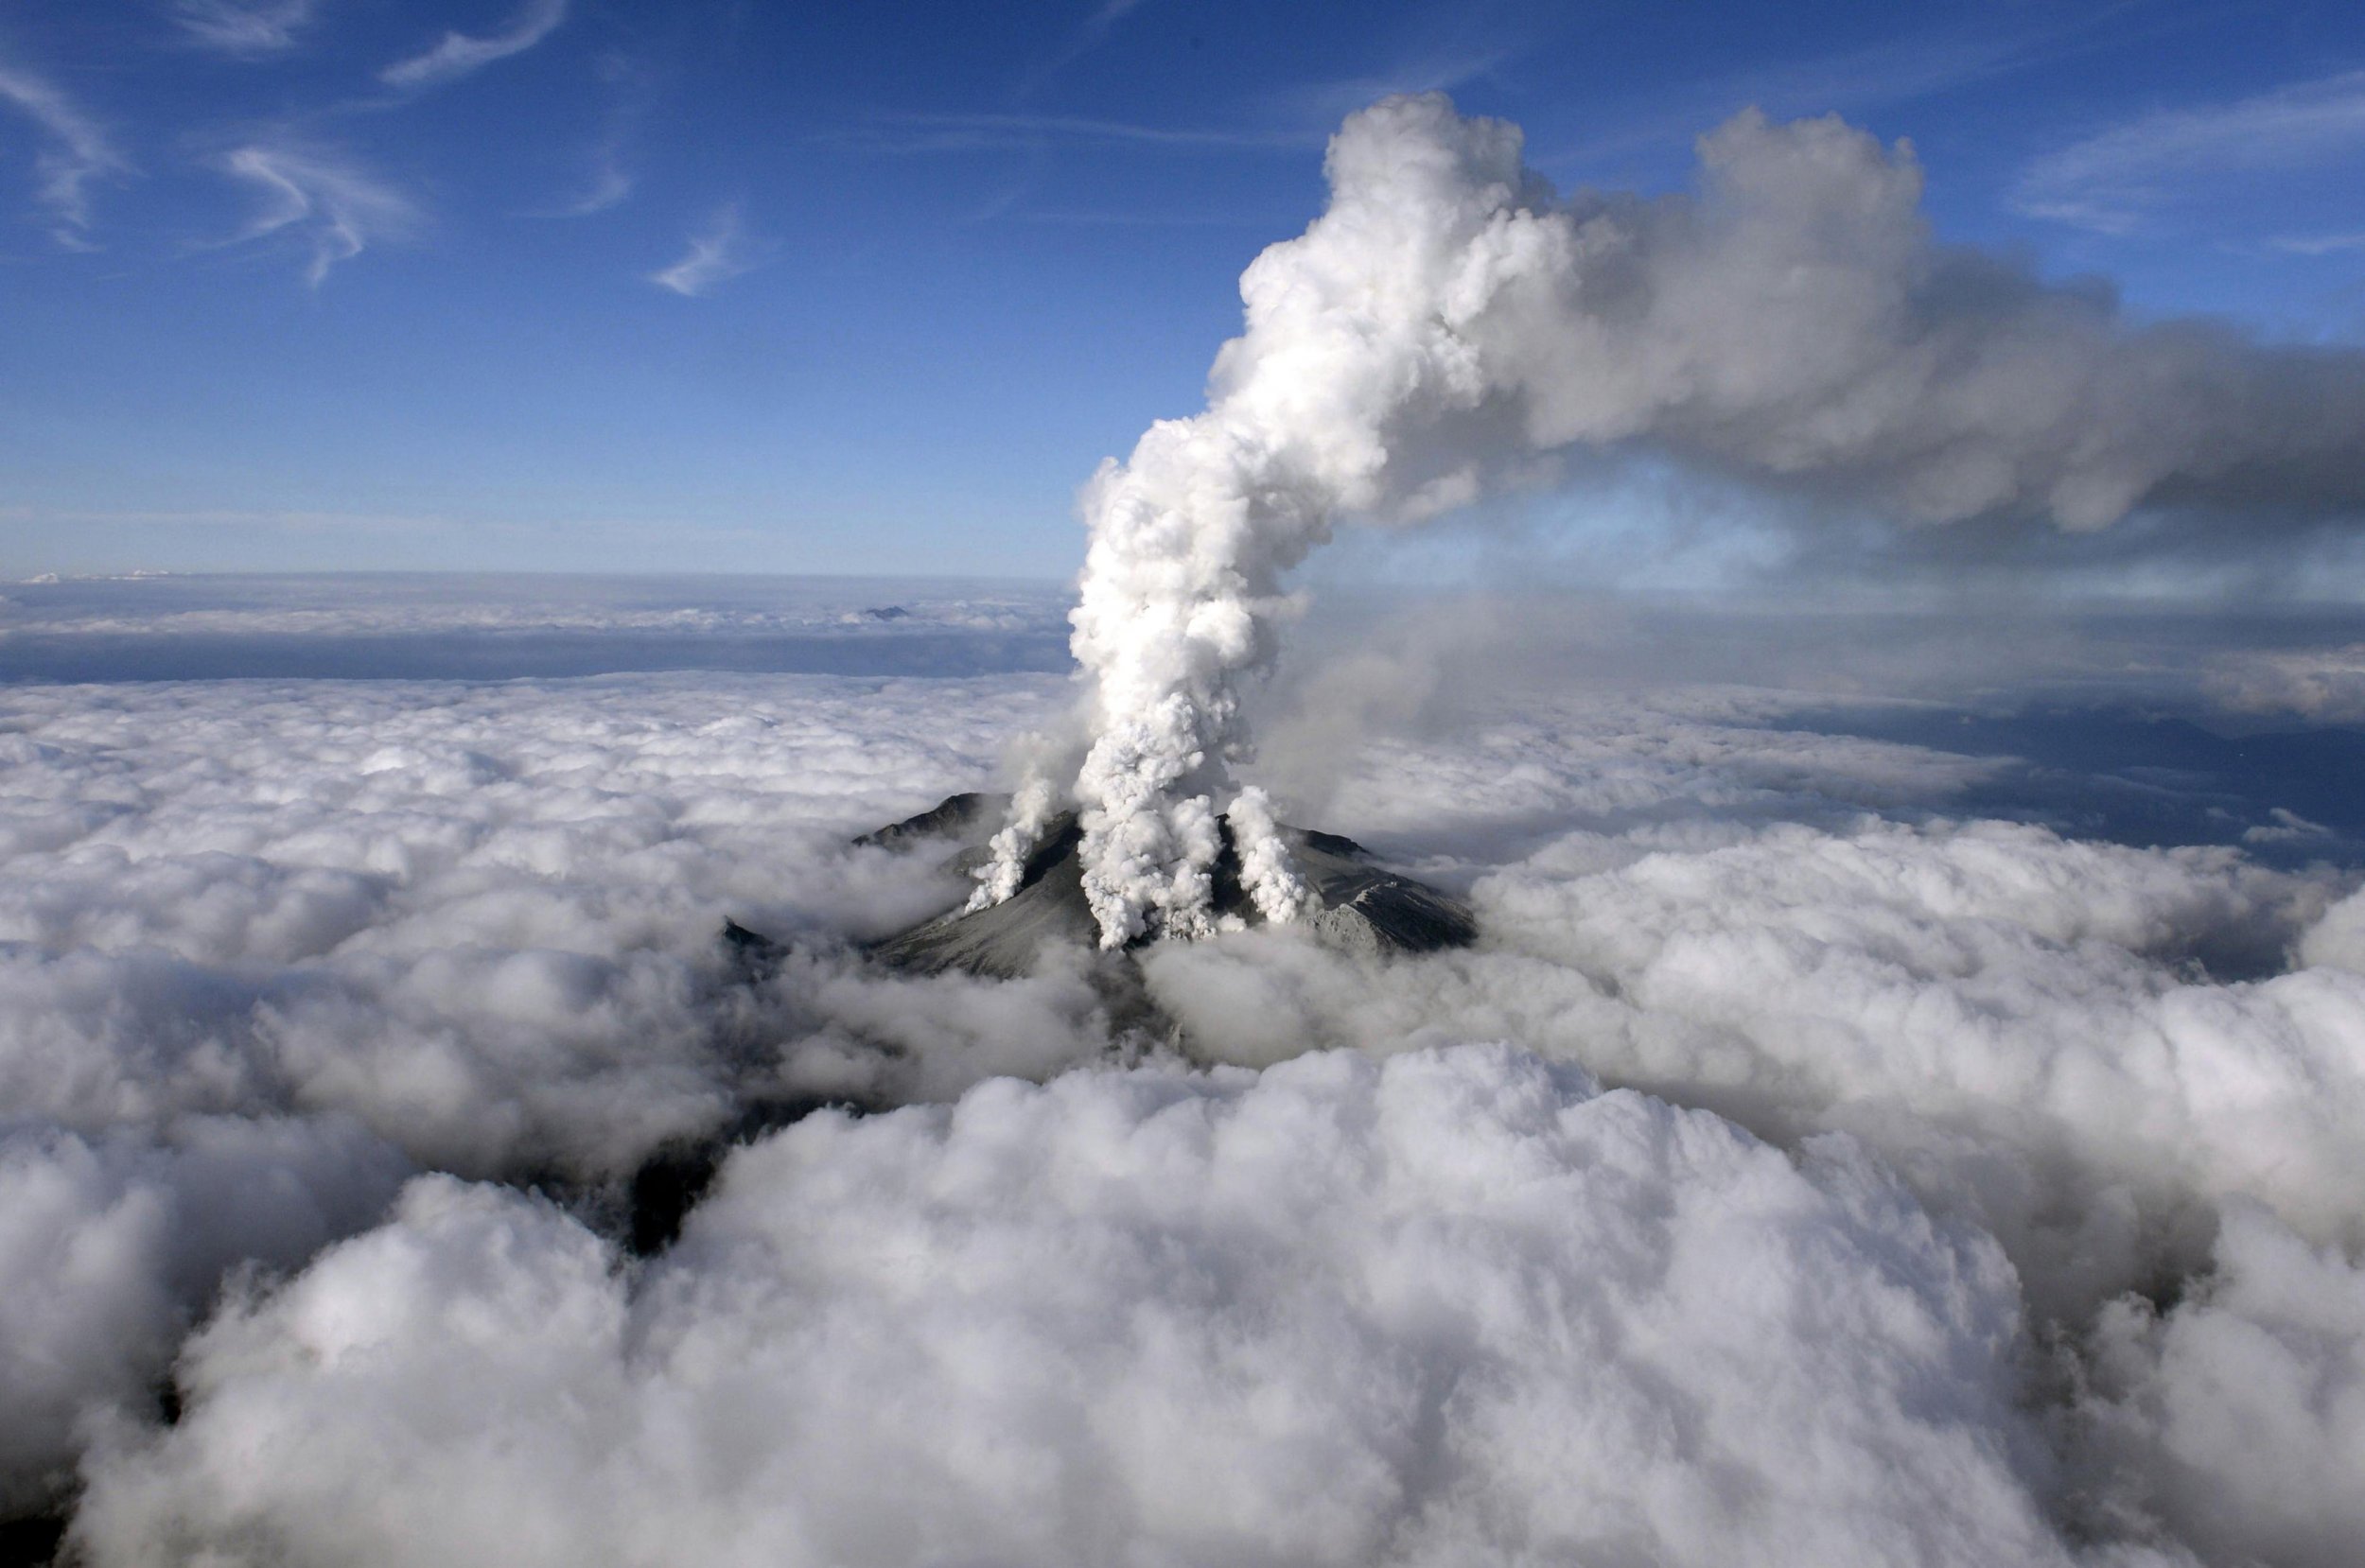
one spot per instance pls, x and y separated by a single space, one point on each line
1447 323
1031 810
1272 884
1181 587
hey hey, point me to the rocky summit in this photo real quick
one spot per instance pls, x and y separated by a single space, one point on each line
1361 907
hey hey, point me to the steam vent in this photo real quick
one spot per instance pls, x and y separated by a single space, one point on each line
1364 908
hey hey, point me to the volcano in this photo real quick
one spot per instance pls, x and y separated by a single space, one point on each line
1361 906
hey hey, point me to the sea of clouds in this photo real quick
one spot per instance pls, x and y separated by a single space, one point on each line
1839 1148
166 626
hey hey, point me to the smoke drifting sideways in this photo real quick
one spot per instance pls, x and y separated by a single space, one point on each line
1449 326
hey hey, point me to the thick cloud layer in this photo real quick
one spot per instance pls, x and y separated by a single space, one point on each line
480 920
1455 1308
2327 684
264 946
1447 323
111 1246
269 947
345 607
2237 1417
2085 1044
172 627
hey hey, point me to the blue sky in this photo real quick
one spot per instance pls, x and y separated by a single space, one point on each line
594 286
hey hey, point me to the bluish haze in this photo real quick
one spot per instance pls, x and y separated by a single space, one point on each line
569 285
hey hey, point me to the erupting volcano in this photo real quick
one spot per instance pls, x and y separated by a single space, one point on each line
1349 901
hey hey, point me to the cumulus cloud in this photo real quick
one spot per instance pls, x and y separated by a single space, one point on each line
2235 1418
2048 1004
1454 1307
332 204
335 931
76 152
484 921
2323 684
246 29
112 1244
1449 326
2338 939
459 54
717 254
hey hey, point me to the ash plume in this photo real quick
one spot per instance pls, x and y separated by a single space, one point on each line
1450 326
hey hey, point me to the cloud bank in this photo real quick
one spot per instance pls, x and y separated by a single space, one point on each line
265 949
1454 1307
268 949
480 920
2230 1417
114 1245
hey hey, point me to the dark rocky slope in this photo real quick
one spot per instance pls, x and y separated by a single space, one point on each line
1364 908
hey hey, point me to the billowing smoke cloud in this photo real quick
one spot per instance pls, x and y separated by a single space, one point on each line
1458 1307
1449 325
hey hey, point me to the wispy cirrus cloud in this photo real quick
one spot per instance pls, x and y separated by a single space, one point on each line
2109 183
1849 82
247 29
461 54
74 152
610 183
609 178
718 253
2316 245
1108 15
288 519
1319 106
333 204
1087 38
1001 133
